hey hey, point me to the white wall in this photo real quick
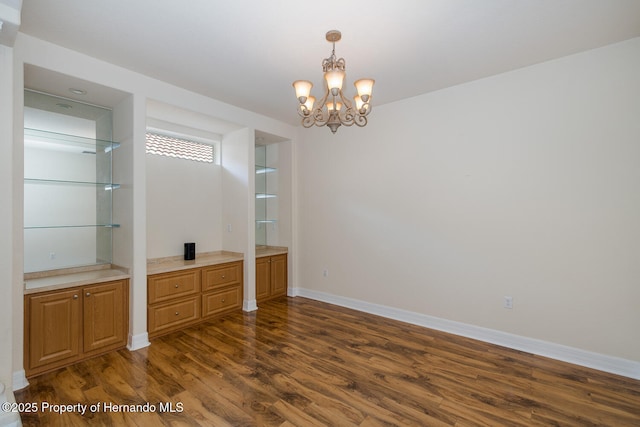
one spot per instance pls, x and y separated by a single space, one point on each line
238 204
524 184
183 205
6 232
59 204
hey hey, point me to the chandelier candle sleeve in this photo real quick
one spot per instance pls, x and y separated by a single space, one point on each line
334 109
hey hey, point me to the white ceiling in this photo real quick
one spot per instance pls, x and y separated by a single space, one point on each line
248 52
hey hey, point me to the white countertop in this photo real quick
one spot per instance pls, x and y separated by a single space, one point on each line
270 250
177 263
80 278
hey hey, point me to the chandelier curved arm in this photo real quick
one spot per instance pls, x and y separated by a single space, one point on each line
308 121
360 121
318 116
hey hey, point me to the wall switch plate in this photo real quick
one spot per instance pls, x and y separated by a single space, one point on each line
325 273
508 302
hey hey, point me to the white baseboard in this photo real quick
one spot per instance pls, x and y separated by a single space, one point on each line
251 305
8 418
136 342
19 380
601 362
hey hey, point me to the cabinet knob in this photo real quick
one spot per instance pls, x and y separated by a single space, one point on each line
177 286
88 294
223 276
75 297
177 313
222 299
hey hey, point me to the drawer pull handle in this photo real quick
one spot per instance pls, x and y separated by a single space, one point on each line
88 294
177 313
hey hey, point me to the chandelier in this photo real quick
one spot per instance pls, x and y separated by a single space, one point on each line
334 109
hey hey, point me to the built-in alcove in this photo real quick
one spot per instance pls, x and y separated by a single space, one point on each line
185 198
266 193
68 183
69 187
272 191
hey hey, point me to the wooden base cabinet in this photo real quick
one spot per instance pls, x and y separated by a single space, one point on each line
182 298
271 277
174 301
65 326
221 289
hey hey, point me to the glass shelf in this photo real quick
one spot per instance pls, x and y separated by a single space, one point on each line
107 185
39 227
68 178
264 169
70 141
266 195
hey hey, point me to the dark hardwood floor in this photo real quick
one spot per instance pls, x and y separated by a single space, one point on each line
298 362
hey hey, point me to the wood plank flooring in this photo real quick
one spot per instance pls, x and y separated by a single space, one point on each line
299 362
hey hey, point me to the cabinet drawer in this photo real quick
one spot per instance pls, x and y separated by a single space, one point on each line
220 301
163 287
165 317
221 276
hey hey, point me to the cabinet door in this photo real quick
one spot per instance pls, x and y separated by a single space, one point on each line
263 277
105 316
278 275
54 328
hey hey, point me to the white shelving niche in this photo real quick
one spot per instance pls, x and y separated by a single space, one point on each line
68 186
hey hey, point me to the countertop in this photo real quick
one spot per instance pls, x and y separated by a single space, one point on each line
41 282
177 263
270 250
61 279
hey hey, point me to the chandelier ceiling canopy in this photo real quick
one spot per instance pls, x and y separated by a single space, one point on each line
334 109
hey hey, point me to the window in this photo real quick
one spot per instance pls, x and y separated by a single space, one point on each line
181 148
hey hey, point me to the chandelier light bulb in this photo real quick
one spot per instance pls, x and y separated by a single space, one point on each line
360 105
334 80
303 89
364 88
308 105
332 105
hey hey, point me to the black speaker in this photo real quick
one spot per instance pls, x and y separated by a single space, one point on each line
189 251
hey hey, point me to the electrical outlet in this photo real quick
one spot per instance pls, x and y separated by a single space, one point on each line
52 255
325 273
508 302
